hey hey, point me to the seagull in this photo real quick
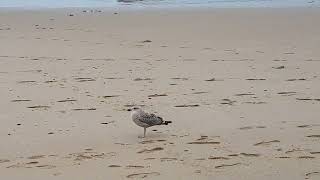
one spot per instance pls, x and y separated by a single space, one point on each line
145 120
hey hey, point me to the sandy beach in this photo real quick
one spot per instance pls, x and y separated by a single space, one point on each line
242 87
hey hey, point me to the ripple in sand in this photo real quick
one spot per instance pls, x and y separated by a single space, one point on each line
84 109
314 136
187 105
38 107
308 99
23 82
256 79
150 150
110 96
4 160
245 94
246 128
204 142
218 158
200 92
299 79
86 156
143 175
142 79
152 141
311 174
36 157
67 100
133 105
278 67
266 142
315 152
306 157
168 159
250 154
226 165
304 126
283 157
180 78
146 41
20 100
157 95
46 166
50 81
32 162
227 102
213 79
134 166
253 102
84 79
288 93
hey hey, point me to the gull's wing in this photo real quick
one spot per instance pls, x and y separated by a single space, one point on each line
151 119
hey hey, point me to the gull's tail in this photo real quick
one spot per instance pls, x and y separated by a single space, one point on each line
166 122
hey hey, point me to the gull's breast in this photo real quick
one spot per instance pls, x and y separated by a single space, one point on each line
137 120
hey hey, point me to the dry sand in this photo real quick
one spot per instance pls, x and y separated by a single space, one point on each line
250 76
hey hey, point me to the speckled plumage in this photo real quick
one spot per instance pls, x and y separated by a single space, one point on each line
146 120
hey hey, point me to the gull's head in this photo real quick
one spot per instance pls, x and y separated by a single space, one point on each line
134 109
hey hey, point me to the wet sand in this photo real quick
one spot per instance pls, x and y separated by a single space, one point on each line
242 87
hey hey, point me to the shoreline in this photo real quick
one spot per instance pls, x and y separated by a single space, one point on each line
150 10
155 8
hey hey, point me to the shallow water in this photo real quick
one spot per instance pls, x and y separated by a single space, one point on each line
156 3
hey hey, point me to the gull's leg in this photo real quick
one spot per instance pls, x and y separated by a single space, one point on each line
144 133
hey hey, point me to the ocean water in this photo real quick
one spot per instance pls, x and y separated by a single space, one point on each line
156 3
